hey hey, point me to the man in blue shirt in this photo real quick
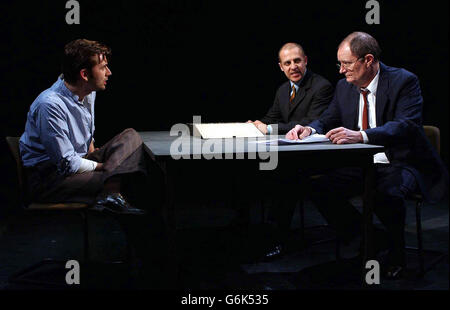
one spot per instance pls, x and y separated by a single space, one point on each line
57 147
62 163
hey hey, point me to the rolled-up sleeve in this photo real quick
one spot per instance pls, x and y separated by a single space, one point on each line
54 134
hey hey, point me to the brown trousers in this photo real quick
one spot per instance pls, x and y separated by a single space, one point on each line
122 155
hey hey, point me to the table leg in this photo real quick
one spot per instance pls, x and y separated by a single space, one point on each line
368 206
168 214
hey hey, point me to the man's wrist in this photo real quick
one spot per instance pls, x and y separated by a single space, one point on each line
365 139
87 165
313 131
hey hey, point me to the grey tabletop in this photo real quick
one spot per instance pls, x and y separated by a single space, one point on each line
163 144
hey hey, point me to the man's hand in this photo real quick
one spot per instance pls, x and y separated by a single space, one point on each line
343 135
256 123
92 148
260 125
298 132
99 167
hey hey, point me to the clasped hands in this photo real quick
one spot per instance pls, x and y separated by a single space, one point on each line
340 135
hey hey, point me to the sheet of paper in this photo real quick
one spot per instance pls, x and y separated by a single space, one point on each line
227 130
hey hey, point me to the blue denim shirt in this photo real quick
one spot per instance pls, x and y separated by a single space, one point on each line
59 129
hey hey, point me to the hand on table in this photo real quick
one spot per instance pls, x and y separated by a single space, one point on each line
343 135
260 125
298 132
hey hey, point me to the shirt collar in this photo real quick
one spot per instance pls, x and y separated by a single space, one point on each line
373 85
65 91
298 83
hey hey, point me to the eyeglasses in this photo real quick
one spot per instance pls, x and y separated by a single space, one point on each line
346 64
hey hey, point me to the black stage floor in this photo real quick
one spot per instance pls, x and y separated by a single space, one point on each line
213 254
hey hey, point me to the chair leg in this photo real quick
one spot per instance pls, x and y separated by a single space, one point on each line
263 211
419 237
338 249
84 216
302 220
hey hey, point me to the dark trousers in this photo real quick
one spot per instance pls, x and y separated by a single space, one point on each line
330 193
141 183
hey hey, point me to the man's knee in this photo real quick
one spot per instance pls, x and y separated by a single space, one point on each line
131 133
131 137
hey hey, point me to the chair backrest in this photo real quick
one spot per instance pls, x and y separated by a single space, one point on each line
434 135
13 144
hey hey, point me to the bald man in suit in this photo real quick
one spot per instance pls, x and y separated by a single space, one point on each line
301 99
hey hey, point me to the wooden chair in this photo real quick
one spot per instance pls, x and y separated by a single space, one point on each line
62 207
433 135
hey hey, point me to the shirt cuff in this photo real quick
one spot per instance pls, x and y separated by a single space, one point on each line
87 165
269 129
313 131
364 135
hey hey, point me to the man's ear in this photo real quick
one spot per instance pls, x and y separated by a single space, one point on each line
369 59
306 60
84 74
281 67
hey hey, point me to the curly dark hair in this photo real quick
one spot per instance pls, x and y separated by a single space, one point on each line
78 54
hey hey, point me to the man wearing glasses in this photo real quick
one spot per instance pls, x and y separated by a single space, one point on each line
380 105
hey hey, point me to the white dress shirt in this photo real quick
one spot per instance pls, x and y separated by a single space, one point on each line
87 165
269 127
379 158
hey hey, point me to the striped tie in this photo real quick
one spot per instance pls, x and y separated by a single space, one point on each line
291 100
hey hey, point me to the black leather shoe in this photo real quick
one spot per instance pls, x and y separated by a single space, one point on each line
116 203
274 253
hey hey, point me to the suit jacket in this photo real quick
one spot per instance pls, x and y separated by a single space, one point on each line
313 96
399 126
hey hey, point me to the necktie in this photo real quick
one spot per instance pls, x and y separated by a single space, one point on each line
365 122
293 94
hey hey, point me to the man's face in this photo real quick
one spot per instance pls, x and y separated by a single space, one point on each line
293 63
99 74
354 69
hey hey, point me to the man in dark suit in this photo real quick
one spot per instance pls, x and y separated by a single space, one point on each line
380 105
301 99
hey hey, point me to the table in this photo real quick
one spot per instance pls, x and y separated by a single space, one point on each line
180 148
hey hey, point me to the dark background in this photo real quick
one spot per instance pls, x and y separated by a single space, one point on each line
218 59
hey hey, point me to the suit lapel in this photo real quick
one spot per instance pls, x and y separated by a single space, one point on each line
353 102
284 101
303 87
381 95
